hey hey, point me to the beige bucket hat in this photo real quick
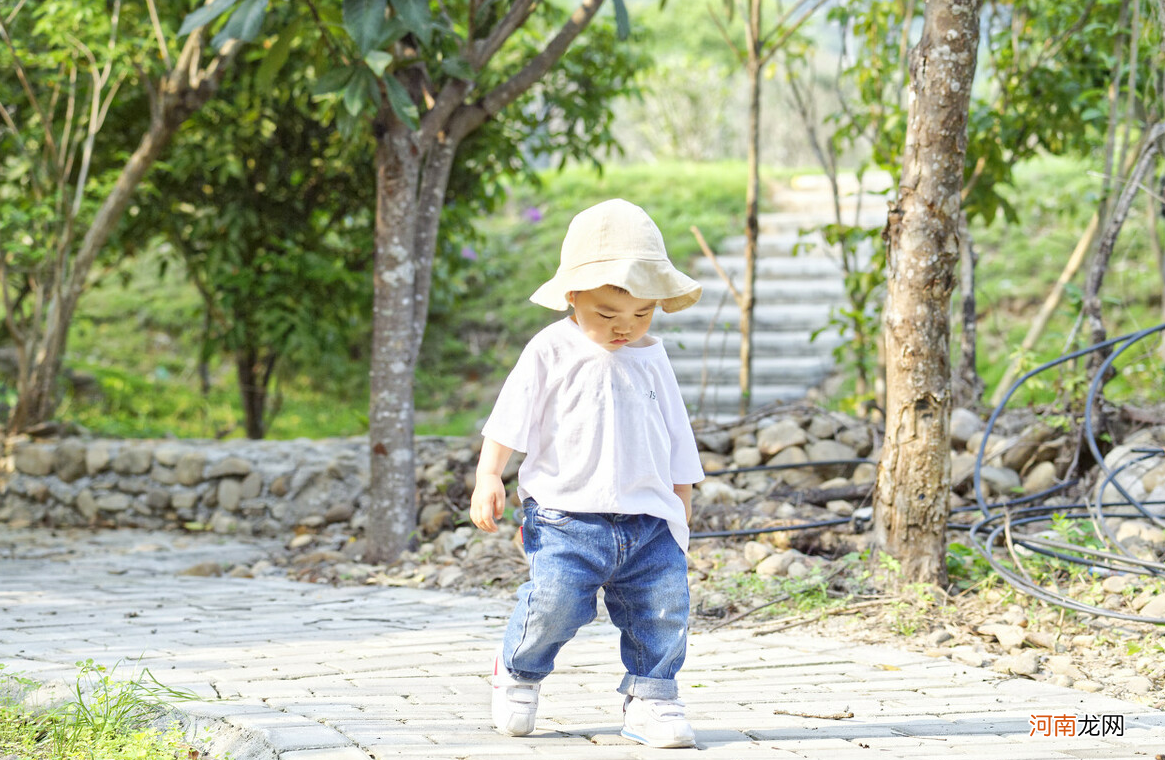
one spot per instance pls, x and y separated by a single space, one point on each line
617 243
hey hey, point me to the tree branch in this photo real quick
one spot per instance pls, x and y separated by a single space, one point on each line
158 32
716 264
484 50
464 120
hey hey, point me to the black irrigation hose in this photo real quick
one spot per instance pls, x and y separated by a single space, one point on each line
1105 563
1093 510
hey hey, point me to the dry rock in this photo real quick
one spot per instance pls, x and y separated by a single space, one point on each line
964 424
717 441
133 460
800 477
1026 663
1040 478
231 466
857 438
1155 608
755 551
746 456
300 541
203 570
189 468
1062 664
775 438
97 457
1041 639
968 656
34 459
1000 480
840 507
778 564
69 460
827 451
1009 636
823 426
339 512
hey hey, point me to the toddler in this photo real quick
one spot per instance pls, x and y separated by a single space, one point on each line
606 484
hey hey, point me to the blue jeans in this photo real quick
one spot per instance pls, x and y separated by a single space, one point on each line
644 575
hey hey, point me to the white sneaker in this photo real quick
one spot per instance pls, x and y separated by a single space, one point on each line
515 701
657 723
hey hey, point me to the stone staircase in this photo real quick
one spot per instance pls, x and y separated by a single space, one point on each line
799 282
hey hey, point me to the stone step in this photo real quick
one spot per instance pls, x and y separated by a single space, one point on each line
871 214
782 243
685 342
777 267
714 401
771 291
766 370
778 318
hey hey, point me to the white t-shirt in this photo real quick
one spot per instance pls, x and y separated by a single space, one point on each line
603 431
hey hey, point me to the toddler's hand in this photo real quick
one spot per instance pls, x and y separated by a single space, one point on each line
488 502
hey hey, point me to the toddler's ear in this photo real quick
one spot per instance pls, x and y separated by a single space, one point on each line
570 297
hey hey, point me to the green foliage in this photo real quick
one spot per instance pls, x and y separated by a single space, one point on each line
1053 198
106 718
269 212
968 569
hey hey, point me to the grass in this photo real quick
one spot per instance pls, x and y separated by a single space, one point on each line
106 718
1018 266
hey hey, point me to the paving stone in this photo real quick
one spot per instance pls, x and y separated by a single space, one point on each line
373 672
331 753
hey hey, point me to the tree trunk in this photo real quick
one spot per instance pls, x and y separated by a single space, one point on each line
1092 308
412 173
752 193
254 377
186 89
391 419
1155 208
967 386
912 500
36 399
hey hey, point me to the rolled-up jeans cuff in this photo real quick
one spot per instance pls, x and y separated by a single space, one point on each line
649 688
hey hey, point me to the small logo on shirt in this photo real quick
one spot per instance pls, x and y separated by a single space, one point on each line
650 395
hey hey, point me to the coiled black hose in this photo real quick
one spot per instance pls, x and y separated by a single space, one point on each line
1000 519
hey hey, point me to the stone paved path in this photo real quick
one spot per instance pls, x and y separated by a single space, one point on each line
303 672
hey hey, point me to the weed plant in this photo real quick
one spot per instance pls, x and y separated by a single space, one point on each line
104 718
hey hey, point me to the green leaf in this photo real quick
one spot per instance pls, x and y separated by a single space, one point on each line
622 21
244 23
414 14
402 104
204 15
393 31
333 80
361 91
364 20
354 96
276 57
458 68
378 61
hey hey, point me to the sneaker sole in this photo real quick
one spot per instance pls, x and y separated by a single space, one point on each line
678 743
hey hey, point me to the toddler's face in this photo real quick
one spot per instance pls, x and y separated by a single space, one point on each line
611 317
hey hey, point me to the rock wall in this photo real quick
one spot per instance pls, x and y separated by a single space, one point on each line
266 488
276 488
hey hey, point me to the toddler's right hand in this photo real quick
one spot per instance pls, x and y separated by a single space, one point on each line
488 502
